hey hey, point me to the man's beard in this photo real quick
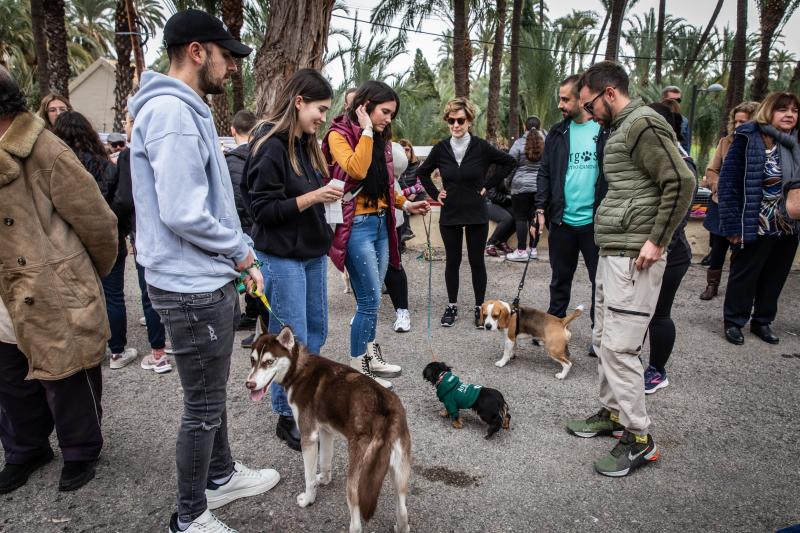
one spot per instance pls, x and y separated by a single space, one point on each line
208 84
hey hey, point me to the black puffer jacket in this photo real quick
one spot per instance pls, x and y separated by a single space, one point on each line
235 159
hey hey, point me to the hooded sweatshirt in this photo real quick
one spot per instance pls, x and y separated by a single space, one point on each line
456 395
188 235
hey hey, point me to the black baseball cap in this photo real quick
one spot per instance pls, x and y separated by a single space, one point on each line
193 25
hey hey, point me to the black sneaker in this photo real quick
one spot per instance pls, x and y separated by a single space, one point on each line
287 431
478 323
75 475
247 342
449 316
14 476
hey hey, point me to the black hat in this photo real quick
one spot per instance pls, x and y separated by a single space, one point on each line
193 25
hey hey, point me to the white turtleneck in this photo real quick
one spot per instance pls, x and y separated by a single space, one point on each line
460 147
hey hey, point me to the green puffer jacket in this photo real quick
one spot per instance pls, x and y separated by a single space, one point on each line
650 187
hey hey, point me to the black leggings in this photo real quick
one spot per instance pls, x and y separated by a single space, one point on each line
662 328
397 285
523 205
719 247
476 239
505 224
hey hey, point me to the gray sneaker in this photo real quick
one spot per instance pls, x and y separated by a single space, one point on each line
120 360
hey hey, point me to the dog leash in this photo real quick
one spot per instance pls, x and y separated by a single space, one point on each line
263 297
515 304
429 252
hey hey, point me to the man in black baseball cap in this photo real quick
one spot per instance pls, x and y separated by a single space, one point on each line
194 25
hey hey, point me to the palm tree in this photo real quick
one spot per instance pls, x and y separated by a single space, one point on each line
794 83
233 17
615 28
513 84
692 58
736 78
492 122
607 6
296 38
124 70
575 31
662 4
90 26
57 58
771 14
40 44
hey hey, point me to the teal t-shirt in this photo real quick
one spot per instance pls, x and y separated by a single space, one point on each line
582 172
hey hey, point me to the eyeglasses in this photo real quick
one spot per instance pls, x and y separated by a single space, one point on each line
118 144
56 109
407 149
460 121
589 106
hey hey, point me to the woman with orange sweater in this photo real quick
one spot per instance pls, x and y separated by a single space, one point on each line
359 151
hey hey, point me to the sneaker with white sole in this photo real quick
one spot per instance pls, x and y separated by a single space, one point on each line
534 254
379 365
403 322
519 256
120 360
157 361
205 523
142 321
362 364
243 483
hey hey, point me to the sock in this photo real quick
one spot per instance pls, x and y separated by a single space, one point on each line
640 439
222 480
614 417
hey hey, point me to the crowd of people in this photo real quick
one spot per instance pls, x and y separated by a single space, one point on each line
612 183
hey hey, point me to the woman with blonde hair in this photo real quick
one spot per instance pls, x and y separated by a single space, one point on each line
719 244
53 105
463 161
761 167
284 188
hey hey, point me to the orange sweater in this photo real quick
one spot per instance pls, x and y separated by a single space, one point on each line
356 163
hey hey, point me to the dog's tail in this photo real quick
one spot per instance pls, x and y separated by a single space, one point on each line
374 464
572 316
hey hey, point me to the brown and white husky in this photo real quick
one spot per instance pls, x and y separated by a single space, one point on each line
328 398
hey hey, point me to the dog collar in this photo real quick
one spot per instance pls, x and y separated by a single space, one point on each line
439 379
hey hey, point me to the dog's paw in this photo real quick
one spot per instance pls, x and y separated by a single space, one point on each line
561 375
398 529
501 363
457 423
443 413
304 499
323 478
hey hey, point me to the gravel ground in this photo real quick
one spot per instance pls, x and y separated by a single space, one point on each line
727 427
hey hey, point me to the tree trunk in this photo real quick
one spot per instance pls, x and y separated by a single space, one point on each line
222 115
124 71
771 13
513 84
57 60
462 50
493 104
296 37
600 35
660 40
794 84
615 29
40 44
736 78
233 17
687 67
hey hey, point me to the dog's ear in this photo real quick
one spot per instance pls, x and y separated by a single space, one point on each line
503 318
286 338
483 313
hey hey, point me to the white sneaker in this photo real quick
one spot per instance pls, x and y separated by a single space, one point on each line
403 322
205 523
533 252
159 365
244 482
142 321
518 256
378 365
120 360
362 364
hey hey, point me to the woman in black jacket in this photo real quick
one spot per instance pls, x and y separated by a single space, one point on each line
284 188
463 161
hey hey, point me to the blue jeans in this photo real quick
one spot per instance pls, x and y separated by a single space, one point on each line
114 289
366 261
201 327
155 329
298 293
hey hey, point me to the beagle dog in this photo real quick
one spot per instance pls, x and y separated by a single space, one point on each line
497 315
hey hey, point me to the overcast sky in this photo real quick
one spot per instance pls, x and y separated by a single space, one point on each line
695 12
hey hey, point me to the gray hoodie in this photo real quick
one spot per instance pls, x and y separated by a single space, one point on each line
527 172
188 236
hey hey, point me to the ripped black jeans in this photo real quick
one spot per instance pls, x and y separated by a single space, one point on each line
201 328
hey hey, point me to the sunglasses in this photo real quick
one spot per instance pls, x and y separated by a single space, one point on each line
119 144
56 109
589 106
460 121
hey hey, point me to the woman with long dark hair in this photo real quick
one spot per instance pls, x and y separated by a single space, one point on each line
719 244
75 130
359 150
762 165
463 161
527 152
284 185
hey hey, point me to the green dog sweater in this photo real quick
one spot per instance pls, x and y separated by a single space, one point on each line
456 395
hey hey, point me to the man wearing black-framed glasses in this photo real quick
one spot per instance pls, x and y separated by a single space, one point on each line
673 92
649 192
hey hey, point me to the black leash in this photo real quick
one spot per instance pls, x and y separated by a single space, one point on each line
515 310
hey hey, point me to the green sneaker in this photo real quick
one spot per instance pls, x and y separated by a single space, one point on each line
627 455
597 424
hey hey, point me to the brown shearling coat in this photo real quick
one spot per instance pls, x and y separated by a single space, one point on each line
57 237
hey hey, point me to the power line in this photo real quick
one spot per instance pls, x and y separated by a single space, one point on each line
543 49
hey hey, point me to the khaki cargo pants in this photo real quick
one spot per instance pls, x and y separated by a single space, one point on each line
625 299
